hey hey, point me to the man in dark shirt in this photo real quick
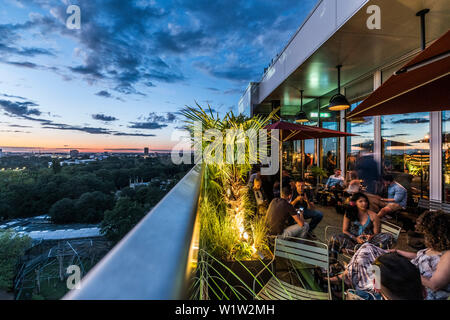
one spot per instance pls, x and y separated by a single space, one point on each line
300 200
278 214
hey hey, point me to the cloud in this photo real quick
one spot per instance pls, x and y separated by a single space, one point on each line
24 64
19 109
91 130
18 126
134 134
234 91
14 97
147 125
411 121
103 117
15 131
136 44
234 72
104 94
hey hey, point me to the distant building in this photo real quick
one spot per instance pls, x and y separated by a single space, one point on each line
137 183
74 153
146 151
1 153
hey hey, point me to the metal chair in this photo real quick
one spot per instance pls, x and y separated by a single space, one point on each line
305 252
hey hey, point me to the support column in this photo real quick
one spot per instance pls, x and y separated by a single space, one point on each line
377 142
435 174
342 144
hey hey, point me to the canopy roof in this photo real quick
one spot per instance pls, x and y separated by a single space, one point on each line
292 131
421 85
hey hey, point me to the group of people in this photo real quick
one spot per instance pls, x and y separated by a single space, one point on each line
287 211
404 275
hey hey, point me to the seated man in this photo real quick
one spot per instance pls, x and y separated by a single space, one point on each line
397 279
335 184
397 196
300 200
278 214
260 196
335 180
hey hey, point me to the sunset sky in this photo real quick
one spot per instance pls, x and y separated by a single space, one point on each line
118 82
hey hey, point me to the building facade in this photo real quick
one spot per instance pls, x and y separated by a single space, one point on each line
413 147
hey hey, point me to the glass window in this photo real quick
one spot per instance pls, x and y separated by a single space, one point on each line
406 151
330 149
446 155
358 145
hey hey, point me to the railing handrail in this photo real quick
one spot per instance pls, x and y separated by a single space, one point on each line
150 262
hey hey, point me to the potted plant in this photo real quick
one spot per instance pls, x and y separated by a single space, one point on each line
233 243
318 173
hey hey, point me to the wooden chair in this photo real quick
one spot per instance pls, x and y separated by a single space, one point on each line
306 253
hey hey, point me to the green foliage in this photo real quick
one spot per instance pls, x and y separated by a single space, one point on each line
12 247
225 198
319 172
218 234
56 166
122 218
63 211
34 190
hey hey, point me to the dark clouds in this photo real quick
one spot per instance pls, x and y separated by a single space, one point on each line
147 125
154 121
133 45
104 94
19 109
93 130
27 110
411 121
103 117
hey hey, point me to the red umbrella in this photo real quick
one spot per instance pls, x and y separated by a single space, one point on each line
419 86
293 131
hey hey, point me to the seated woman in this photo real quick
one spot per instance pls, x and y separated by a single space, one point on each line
360 225
433 262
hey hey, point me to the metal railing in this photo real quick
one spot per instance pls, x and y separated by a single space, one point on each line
153 261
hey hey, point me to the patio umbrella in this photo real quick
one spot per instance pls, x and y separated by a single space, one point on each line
419 86
293 131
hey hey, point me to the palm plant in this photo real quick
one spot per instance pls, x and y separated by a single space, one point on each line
224 208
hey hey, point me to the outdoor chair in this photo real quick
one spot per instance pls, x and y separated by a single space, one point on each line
303 254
